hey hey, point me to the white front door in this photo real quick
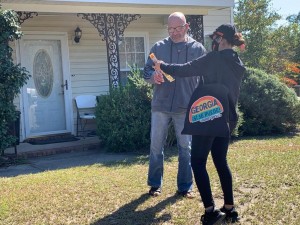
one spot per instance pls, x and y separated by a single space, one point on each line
46 95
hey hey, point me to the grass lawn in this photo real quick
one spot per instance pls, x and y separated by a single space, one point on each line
266 188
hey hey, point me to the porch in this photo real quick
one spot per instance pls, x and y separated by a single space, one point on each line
26 150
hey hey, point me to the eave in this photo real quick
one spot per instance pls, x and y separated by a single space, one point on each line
189 7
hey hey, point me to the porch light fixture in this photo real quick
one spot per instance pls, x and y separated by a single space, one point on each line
78 34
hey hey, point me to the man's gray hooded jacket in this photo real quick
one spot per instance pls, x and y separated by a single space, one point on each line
173 96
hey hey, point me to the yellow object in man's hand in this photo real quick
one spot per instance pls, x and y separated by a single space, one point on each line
167 76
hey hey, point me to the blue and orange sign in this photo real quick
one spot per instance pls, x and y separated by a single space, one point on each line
204 109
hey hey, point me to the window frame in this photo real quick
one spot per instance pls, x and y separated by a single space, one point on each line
144 35
125 71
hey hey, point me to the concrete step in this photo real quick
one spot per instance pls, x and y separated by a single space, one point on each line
26 150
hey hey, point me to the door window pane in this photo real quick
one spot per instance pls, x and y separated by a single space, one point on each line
43 73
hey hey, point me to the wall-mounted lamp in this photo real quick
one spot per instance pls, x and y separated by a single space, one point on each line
78 34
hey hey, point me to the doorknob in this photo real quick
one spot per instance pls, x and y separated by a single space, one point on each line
65 85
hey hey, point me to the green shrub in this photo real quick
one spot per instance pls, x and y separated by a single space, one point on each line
124 115
12 77
269 106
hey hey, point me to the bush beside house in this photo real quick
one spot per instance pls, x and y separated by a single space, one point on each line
12 77
269 106
123 116
266 106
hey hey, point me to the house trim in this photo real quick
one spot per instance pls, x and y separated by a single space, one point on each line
192 7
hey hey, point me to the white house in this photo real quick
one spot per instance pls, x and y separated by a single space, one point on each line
115 34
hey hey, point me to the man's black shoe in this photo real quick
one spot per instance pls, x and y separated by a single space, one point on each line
155 191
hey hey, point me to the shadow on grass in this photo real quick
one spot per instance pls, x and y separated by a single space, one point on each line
128 215
141 158
78 159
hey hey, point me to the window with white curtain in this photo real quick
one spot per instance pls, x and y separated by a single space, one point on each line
132 50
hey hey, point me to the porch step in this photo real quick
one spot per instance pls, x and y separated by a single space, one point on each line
51 139
26 150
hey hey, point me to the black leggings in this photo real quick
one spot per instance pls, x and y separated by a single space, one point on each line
201 146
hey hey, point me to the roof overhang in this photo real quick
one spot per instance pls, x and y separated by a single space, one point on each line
189 7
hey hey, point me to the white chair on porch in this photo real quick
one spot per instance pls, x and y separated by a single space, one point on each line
85 105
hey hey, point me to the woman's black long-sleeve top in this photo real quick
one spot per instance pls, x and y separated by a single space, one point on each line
225 63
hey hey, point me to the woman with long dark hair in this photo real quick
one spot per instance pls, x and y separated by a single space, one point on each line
225 61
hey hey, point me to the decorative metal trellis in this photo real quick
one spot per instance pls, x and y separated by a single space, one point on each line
196 27
111 28
22 16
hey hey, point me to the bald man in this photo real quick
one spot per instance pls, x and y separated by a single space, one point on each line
169 104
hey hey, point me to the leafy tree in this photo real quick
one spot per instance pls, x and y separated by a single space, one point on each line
12 77
255 19
287 39
294 21
294 18
268 47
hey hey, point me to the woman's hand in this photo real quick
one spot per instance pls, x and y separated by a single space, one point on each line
158 77
158 74
157 65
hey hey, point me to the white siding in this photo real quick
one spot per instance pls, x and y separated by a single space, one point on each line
156 25
153 25
216 18
88 59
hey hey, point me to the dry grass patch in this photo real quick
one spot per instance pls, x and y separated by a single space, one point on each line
266 187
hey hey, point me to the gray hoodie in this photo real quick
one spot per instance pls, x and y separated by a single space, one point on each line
173 96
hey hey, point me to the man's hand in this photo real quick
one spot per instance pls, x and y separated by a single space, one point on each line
158 77
158 74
